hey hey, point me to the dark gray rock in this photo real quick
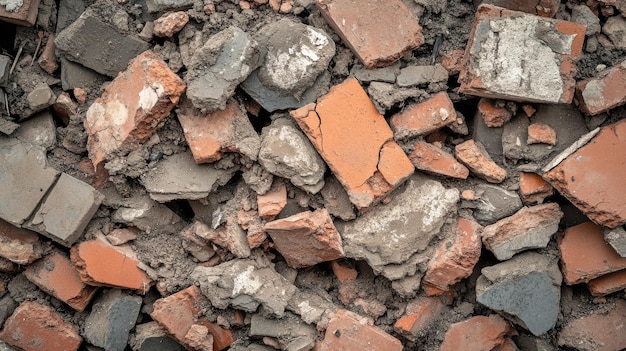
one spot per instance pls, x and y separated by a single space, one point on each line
490 138
150 337
68 12
74 75
38 130
493 203
5 65
7 306
617 239
168 5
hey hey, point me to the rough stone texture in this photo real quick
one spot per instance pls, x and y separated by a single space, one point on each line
598 331
424 117
65 212
306 238
150 337
602 92
591 178
225 60
179 177
582 14
356 333
542 70
245 284
526 289
35 327
421 75
544 8
608 284
478 161
356 143
419 316
432 159
112 317
290 331
392 237
24 159
168 5
492 113
379 43
336 200
585 255
74 75
385 74
485 333
23 15
169 24
286 152
39 99
144 213
617 239
529 228
131 107
55 275
212 134
615 30
230 236
455 256
39 130
533 189
493 203
19 245
98 45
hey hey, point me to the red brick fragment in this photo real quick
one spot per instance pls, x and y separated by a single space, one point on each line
272 202
608 284
424 117
599 331
432 159
25 15
35 327
540 133
376 43
585 255
493 114
48 59
533 189
56 275
477 334
604 91
19 245
121 236
529 110
452 61
170 23
250 221
418 317
544 8
342 271
478 161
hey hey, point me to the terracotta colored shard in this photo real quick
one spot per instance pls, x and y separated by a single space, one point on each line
424 117
19 245
170 23
342 271
432 159
541 133
479 162
533 189
418 317
272 202
598 331
608 284
604 91
485 333
494 115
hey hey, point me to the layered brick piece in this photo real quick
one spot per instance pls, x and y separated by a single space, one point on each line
432 159
518 56
356 143
132 106
603 92
424 117
477 333
376 43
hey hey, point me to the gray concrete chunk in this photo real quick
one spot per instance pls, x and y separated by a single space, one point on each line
494 203
74 75
168 5
5 65
39 130
617 239
421 75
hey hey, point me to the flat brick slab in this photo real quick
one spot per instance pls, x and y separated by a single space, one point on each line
424 117
485 333
432 159
604 91
25 15
598 331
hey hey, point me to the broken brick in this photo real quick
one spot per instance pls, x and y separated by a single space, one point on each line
373 44
493 114
592 177
453 61
230 236
585 255
132 106
455 257
608 284
478 161
356 143
9 267
306 238
342 271
544 8
350 332
542 70
602 92
432 159
251 222
419 316
121 236
22 13
424 117
35 327
19 245
197 247
48 59
101 264
541 133
598 331
169 24
533 189
272 202
485 333
56 275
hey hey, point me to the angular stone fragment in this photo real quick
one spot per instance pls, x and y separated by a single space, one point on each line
493 114
131 107
38 130
485 333
432 159
533 188
74 75
35 327
424 117
19 245
529 228
584 15
591 177
231 236
615 30
150 337
602 92
146 214
356 143
378 43
419 316
493 203
336 200
287 329
272 202
212 134
56 275
169 24
598 331
350 331
542 70
478 161
617 239
306 238
526 289
22 13
112 317
539 133
544 8
168 5
421 75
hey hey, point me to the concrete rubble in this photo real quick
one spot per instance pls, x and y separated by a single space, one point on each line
302 175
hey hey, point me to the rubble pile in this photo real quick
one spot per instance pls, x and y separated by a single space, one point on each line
300 175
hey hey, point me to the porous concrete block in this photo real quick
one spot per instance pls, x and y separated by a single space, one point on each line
112 317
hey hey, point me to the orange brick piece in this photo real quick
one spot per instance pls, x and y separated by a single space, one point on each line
599 331
456 256
603 92
180 316
541 70
608 284
424 117
429 158
169 24
477 334
585 255
356 143
132 106
541 133
272 202
306 238
479 162
379 42
533 188
494 115
592 178
56 275
101 264
34 327
348 331
418 317
19 245
343 272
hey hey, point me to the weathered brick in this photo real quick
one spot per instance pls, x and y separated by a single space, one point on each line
272 202
453 61
478 161
373 44
356 143
350 332
48 59
424 117
542 70
585 255
230 236
132 106
485 333
541 133
342 271
19 245
602 92
56 275
419 316
608 284
533 189
170 23
306 238
592 177
598 331
35 327
432 159
22 15
493 114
